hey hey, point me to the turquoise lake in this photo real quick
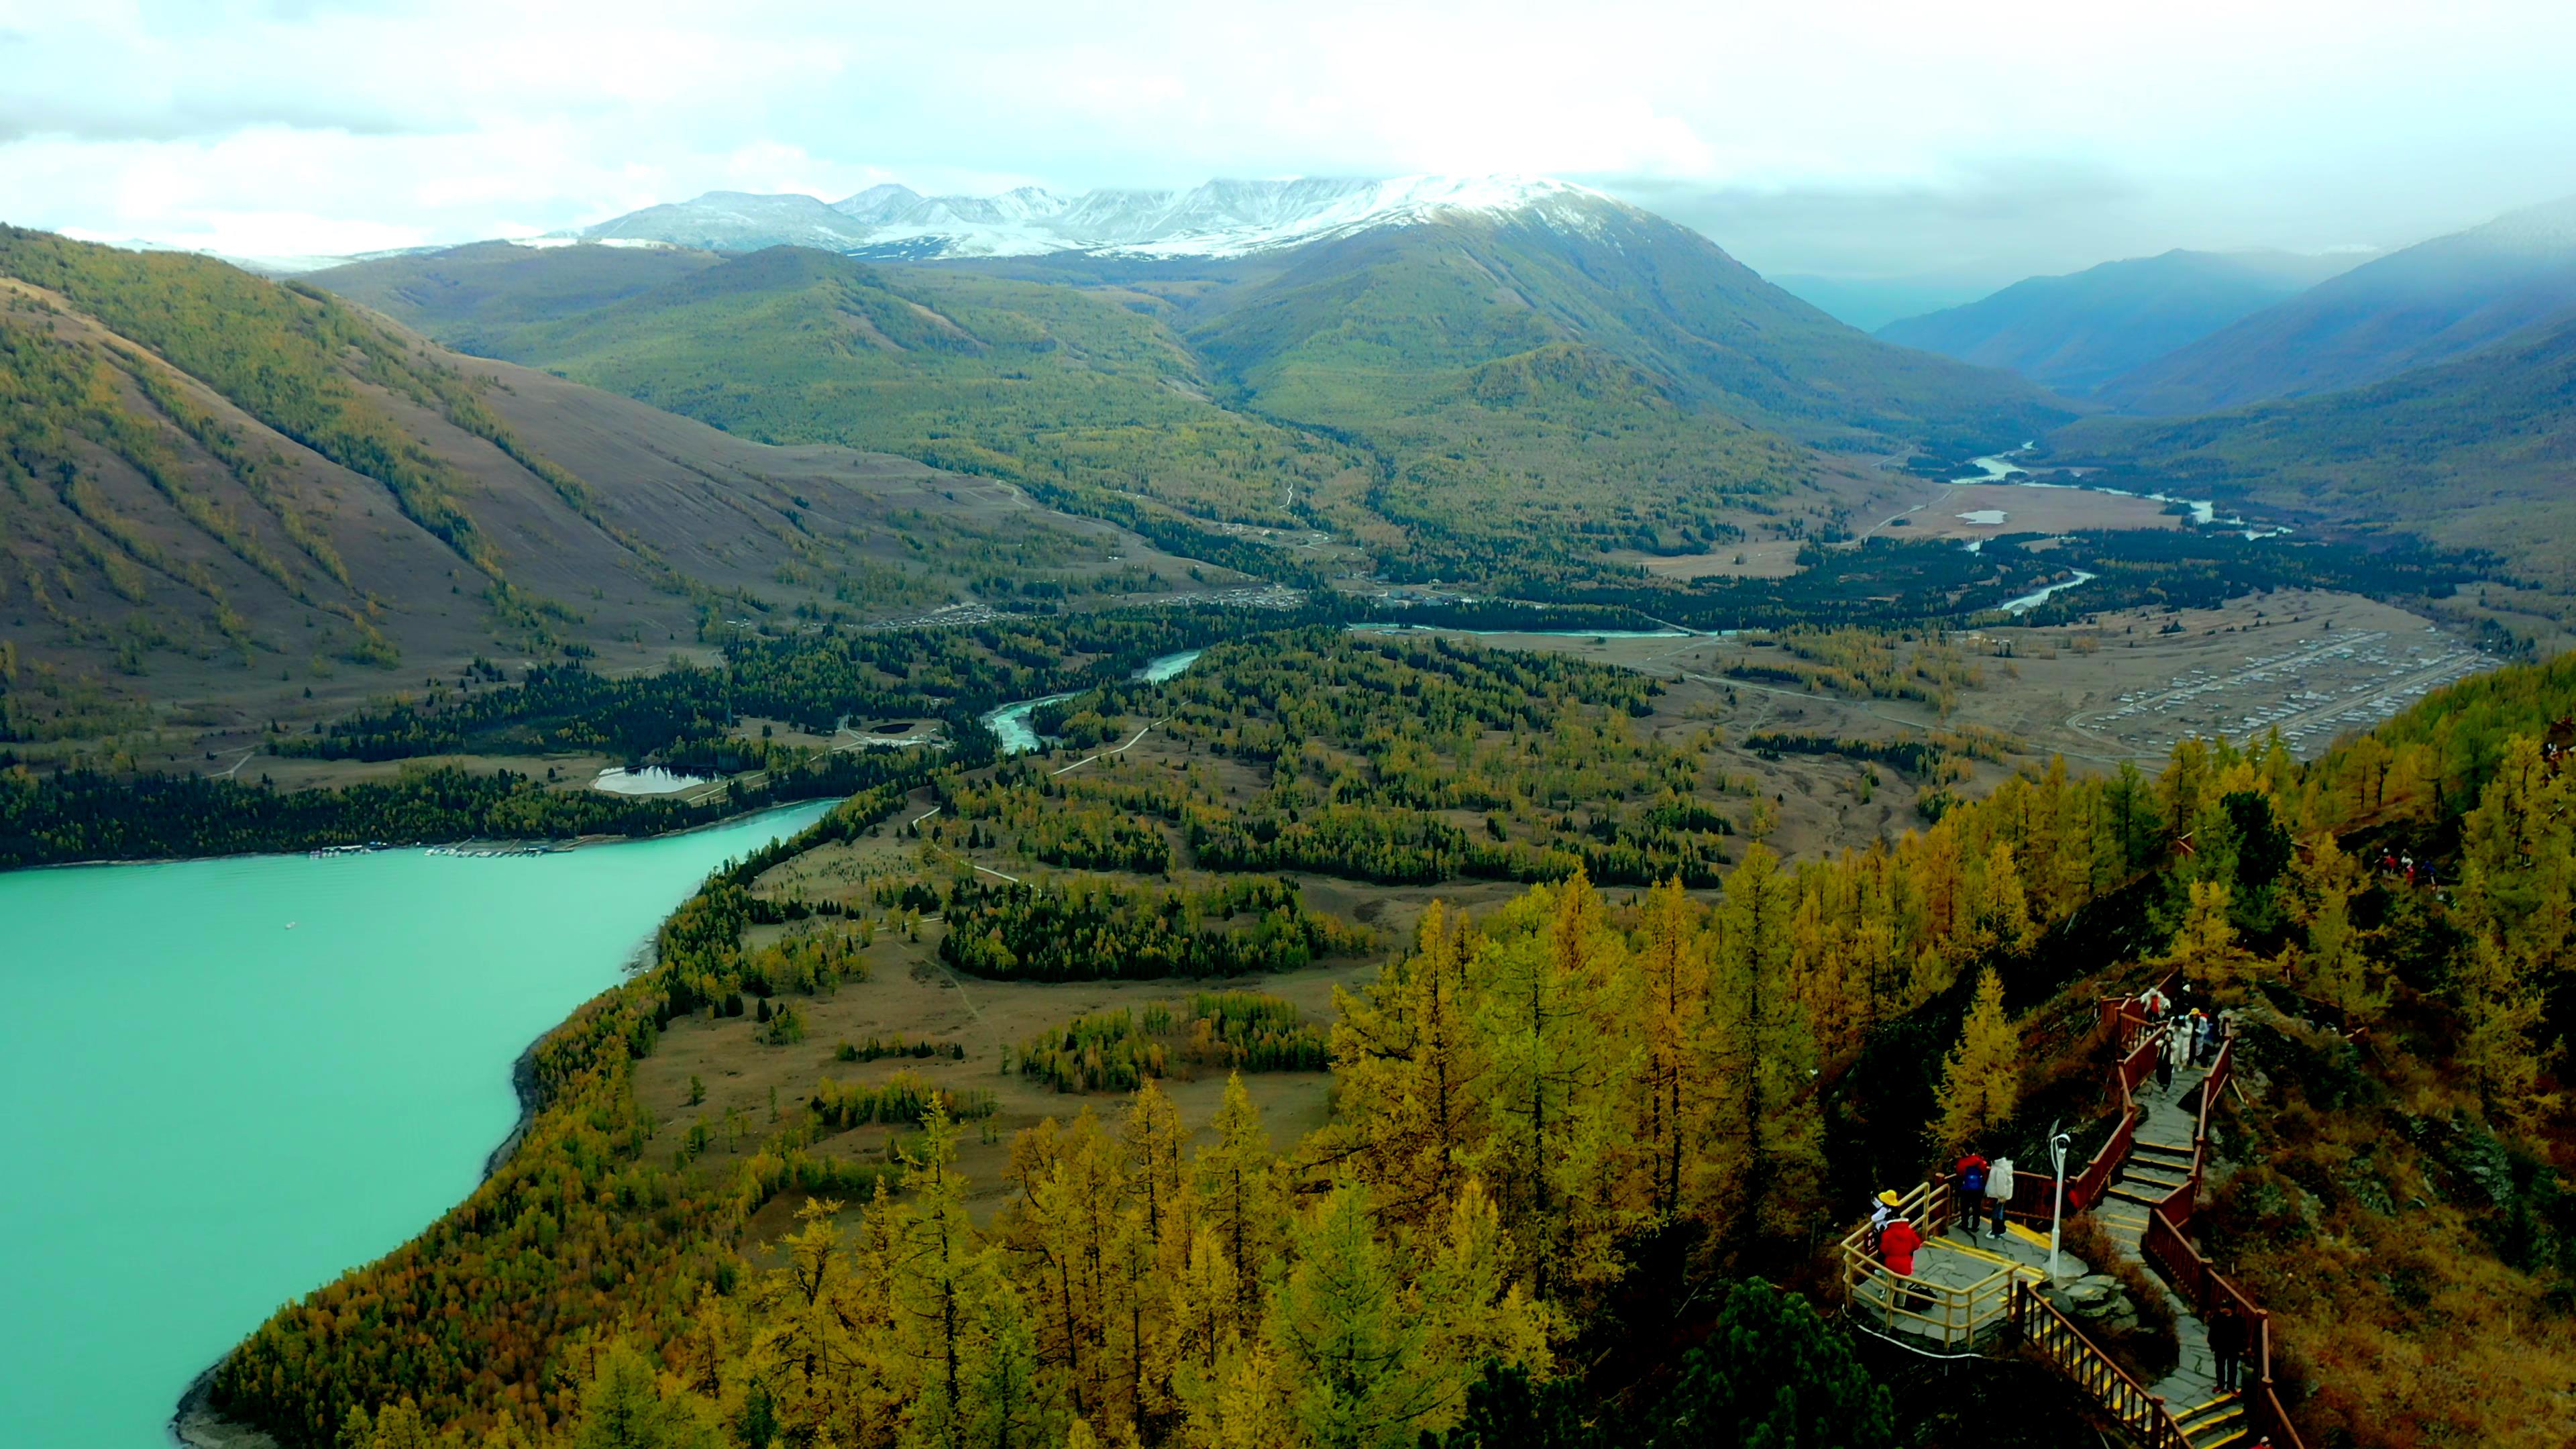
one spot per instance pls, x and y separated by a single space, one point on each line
228 1080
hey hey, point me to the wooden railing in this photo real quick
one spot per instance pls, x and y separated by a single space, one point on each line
1956 1316
1951 1317
2202 1285
2163 1244
2039 1324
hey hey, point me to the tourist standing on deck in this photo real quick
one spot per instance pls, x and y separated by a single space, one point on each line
1999 1191
1897 1244
1968 1198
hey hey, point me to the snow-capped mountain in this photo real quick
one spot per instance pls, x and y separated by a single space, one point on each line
1218 219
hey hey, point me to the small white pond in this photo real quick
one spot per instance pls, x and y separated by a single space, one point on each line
651 780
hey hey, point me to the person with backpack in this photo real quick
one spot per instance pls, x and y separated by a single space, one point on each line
1999 1191
1968 1194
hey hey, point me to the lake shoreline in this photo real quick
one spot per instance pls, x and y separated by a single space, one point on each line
525 847
194 1421
196 1424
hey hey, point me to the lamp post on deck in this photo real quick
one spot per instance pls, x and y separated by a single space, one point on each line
2057 1145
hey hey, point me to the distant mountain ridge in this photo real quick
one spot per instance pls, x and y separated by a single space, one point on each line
2076 332
2474 452
1222 218
2427 304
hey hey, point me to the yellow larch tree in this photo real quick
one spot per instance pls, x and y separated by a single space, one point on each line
1981 1077
1406 1073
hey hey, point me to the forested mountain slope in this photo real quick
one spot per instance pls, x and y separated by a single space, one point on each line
220 486
2426 304
2075 332
1466 395
2478 452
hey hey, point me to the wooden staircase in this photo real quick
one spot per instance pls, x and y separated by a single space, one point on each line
2142 1186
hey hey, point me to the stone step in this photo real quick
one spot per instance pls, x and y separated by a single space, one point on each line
2143 1145
2218 1433
2142 1199
2169 1174
2226 1405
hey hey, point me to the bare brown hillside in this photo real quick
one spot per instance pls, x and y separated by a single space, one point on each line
177 562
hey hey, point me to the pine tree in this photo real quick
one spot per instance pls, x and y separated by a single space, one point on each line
1673 975
624 1407
1236 1184
1773 1373
1770 1127
2333 967
1351 1351
1541 1032
1008 1404
1406 1076
1474 1311
2205 947
1981 1079
943 1275
398 1426
1066 1232
1153 1136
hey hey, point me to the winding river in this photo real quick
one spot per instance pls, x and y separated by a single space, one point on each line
1010 724
231 1079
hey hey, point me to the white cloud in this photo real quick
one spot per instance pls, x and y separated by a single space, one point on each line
1852 135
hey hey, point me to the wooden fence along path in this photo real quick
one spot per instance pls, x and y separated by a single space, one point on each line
2142 1186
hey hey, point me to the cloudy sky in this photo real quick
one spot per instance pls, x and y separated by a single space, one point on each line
1955 145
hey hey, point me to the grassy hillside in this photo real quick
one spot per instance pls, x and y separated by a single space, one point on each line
2426 304
237 495
2472 453
1040 384
1660 298
476 297
2074 333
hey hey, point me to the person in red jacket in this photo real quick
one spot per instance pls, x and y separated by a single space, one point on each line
1968 1191
1897 1244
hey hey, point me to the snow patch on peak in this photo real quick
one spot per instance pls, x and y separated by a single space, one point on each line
1221 218
877 200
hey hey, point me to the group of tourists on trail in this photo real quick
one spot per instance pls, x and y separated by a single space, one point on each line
2186 1035
1982 1188
2414 872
